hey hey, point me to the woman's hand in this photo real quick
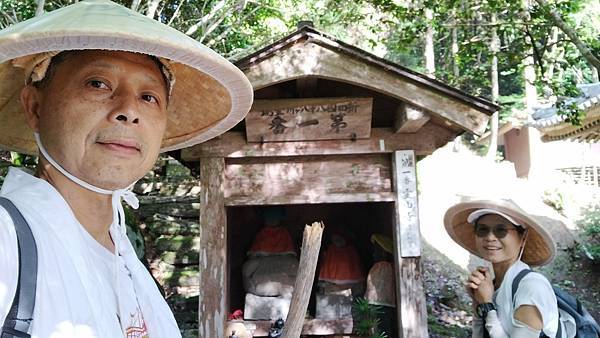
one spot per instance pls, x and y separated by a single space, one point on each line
480 286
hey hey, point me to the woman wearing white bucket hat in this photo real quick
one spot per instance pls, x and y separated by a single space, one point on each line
99 90
511 240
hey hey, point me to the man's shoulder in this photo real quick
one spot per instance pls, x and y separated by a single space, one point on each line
7 228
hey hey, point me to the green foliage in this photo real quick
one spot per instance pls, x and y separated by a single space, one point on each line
444 330
395 30
367 318
134 233
555 198
12 159
571 113
590 224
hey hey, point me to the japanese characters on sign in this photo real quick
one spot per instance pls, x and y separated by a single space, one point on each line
309 119
408 211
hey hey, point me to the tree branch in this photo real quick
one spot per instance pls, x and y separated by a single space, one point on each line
571 33
206 18
176 13
230 28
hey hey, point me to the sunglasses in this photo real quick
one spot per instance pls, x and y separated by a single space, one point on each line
499 231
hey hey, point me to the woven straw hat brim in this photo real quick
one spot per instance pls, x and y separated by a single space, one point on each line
209 97
539 247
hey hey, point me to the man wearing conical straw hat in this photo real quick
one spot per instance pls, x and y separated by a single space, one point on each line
99 91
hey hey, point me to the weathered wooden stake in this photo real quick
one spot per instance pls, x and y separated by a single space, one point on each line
311 244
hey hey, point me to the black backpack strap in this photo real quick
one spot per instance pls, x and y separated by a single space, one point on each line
517 280
20 315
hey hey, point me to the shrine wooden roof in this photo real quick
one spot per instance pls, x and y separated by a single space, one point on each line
308 53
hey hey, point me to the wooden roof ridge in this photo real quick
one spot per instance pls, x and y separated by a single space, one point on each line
327 41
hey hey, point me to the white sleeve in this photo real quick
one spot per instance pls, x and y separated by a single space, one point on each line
521 330
9 263
493 325
477 328
536 290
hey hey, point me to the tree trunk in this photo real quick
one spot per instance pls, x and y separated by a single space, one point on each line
39 10
454 50
135 4
595 74
429 49
572 34
529 70
152 7
494 47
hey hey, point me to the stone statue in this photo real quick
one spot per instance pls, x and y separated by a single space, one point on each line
269 273
381 283
340 278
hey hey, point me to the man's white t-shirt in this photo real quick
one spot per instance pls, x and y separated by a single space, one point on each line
75 294
123 301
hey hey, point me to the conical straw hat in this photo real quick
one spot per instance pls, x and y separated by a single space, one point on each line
539 246
210 95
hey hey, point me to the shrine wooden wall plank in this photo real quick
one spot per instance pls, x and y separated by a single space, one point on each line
213 267
383 140
272 177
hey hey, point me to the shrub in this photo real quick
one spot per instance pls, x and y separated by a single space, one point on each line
590 225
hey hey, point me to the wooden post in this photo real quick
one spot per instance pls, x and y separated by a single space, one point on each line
213 267
409 119
311 244
411 307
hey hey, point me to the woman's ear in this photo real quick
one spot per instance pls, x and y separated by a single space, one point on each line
30 100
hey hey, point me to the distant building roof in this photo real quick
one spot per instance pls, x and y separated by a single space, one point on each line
553 126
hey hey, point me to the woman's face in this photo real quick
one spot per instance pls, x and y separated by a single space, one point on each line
497 239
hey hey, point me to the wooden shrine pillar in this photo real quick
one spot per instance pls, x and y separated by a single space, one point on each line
410 298
213 268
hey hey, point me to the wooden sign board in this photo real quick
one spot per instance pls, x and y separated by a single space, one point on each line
407 209
309 119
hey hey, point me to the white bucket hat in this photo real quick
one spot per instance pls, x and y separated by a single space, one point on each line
209 96
539 247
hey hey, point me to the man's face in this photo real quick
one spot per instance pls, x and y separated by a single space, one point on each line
102 115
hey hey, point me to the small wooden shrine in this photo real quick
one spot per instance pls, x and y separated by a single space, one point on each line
334 135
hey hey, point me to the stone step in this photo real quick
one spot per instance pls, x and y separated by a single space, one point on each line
177 243
147 200
161 224
172 276
172 187
185 207
191 333
190 257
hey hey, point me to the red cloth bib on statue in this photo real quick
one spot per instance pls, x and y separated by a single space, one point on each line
341 265
272 240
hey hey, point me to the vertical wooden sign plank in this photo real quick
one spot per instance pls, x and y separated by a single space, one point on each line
213 267
410 297
405 181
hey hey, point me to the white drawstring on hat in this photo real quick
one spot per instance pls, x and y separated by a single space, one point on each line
118 222
523 244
